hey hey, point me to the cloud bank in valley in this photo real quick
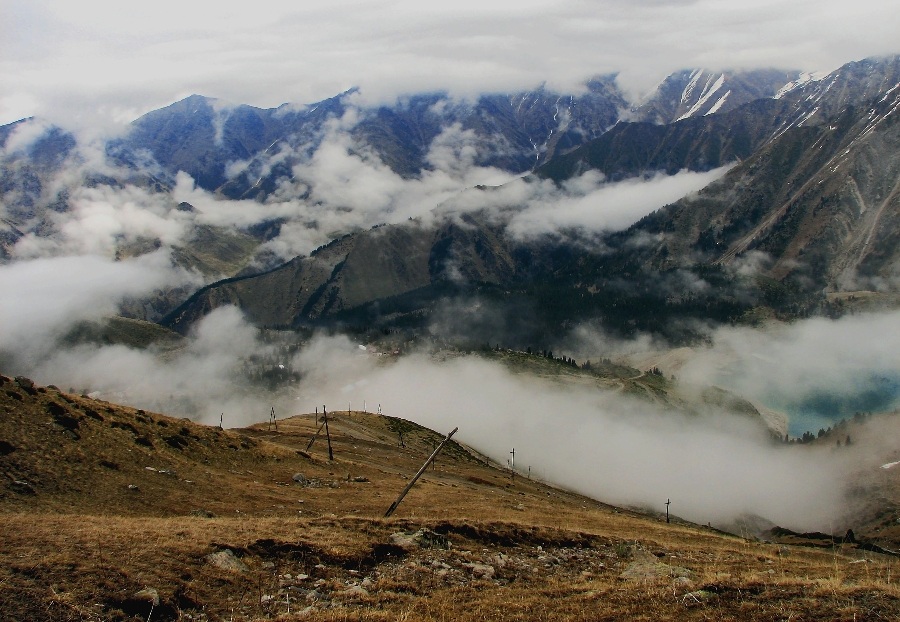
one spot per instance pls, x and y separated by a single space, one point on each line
336 186
602 443
819 370
43 298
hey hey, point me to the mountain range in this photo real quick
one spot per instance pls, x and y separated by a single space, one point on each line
806 208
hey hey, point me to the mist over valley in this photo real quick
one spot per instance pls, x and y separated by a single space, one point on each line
682 295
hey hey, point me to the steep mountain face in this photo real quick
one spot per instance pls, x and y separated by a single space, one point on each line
357 270
820 203
514 132
26 168
202 136
812 197
697 93
812 204
243 152
632 149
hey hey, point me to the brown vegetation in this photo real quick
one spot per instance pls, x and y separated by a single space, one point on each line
112 513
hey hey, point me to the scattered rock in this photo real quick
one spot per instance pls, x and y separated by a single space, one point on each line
315 595
481 571
226 560
646 567
202 513
300 478
361 480
423 538
6 448
26 384
145 604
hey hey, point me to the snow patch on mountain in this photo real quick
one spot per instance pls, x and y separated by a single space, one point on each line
715 107
708 92
804 79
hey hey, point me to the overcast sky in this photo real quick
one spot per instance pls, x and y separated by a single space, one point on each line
91 60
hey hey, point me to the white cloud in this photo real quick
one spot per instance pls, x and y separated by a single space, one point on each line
592 206
88 61
811 367
599 443
44 297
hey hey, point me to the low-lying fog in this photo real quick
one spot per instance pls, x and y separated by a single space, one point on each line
602 443
714 468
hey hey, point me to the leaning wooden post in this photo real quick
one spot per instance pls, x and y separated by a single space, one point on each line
327 434
316 435
668 501
419 474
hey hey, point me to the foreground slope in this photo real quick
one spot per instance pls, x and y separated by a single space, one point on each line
110 513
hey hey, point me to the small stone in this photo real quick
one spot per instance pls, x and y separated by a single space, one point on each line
300 478
481 571
226 560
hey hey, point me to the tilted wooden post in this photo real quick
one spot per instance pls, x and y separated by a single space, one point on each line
327 434
316 435
419 474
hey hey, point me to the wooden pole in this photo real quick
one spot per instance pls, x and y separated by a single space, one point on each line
668 501
316 435
419 474
327 434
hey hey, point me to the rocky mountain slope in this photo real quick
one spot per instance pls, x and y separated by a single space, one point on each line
812 204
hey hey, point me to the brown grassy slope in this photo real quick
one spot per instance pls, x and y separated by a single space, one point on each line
87 526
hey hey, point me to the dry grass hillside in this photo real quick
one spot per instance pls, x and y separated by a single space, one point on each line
112 513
